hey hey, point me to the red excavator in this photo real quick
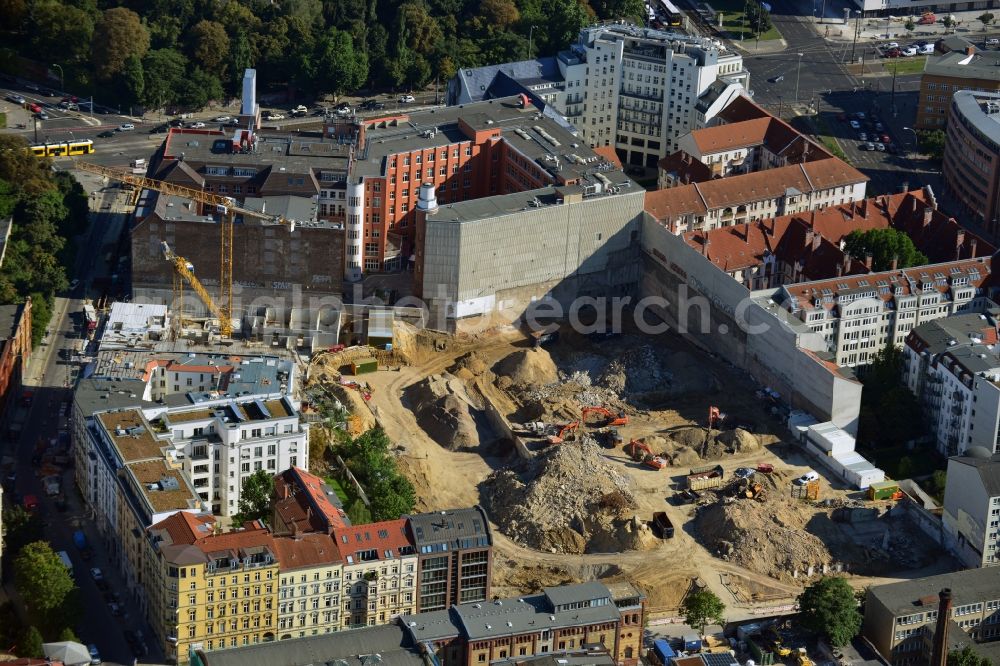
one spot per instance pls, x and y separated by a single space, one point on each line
611 419
641 453
563 432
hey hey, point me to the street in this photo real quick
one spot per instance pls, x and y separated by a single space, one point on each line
51 374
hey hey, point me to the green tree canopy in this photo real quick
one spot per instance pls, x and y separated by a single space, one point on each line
340 67
702 607
828 607
42 580
890 413
163 74
210 46
985 18
884 245
256 496
373 465
61 33
967 657
30 644
119 33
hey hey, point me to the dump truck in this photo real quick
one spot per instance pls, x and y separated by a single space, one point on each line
662 524
89 317
708 476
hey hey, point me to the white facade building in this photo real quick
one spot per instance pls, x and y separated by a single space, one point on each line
971 515
638 89
953 367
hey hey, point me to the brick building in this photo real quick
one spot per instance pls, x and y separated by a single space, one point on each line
971 166
15 349
454 557
946 75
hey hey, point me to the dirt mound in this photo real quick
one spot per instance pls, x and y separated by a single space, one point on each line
468 366
767 537
719 444
444 410
570 500
684 456
528 367
739 441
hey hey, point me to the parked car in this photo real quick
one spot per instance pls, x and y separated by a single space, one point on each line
855 125
743 473
879 146
14 97
885 138
889 45
371 105
879 127
95 656
106 134
221 119
863 146
910 51
197 125
159 129
273 116
993 42
407 99
925 49
893 53
126 127
343 111
776 79
96 573
806 478
300 110
863 136
42 115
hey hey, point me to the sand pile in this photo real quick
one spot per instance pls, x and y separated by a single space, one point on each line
527 367
444 409
766 537
569 500
683 443
469 366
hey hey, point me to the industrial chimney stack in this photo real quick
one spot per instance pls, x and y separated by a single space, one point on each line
940 655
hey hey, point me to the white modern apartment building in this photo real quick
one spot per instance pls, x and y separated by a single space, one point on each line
971 515
638 89
953 367
857 315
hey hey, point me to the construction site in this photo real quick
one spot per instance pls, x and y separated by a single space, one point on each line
574 446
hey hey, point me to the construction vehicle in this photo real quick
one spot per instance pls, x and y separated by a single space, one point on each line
640 452
661 521
564 432
226 207
611 419
708 476
765 468
803 658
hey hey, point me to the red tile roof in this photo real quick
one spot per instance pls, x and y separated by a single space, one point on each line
303 505
721 138
253 536
377 541
685 169
308 550
741 108
184 527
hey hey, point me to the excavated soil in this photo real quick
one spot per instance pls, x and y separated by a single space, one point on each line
527 367
568 500
766 537
444 409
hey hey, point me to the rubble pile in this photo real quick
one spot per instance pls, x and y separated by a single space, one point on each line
768 537
568 500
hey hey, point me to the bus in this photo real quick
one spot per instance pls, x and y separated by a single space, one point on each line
672 15
64 149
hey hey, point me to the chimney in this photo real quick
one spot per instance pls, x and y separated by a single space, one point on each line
913 203
940 655
812 219
864 209
868 261
959 242
810 238
839 270
847 264
817 240
895 261
928 213
972 248
704 246
970 50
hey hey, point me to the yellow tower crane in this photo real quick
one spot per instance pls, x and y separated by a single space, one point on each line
227 208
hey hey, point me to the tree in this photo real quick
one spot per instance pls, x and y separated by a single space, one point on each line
210 46
163 74
985 18
41 578
932 143
828 607
884 246
132 78
68 634
255 497
889 411
967 657
910 26
198 89
339 67
119 33
702 607
948 22
61 32
30 644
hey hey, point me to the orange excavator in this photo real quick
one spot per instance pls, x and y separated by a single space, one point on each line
611 419
564 431
641 453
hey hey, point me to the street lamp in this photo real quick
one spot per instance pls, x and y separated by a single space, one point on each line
62 82
798 69
530 33
915 137
857 30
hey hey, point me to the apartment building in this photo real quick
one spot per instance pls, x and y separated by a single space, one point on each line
900 618
945 75
309 588
559 620
454 557
15 349
759 195
971 165
742 138
971 515
380 572
951 366
220 590
305 504
857 315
